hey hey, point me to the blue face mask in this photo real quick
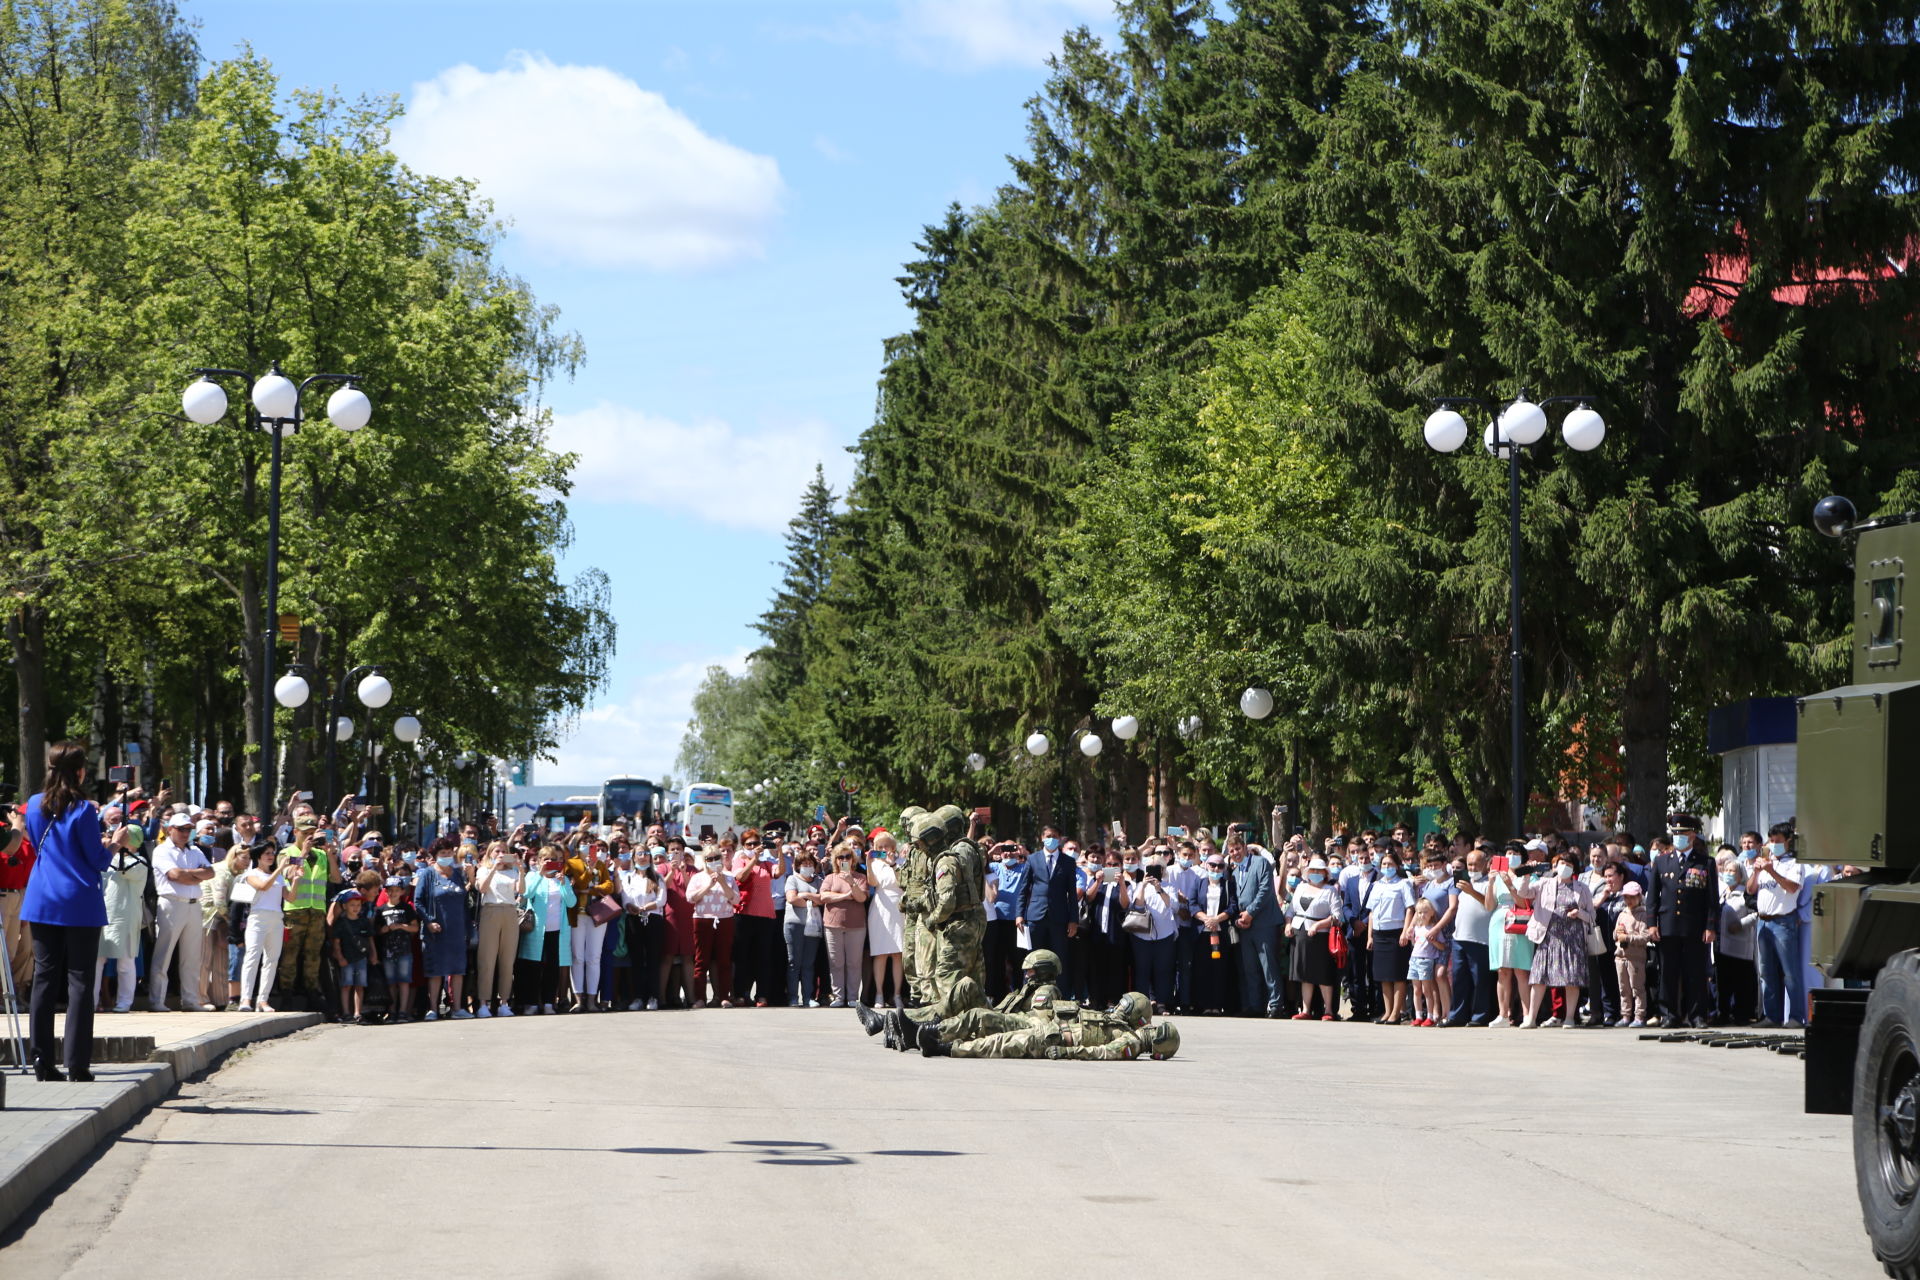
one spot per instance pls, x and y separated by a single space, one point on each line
1015 864
1293 882
1052 844
445 859
1185 861
409 858
1215 876
1683 842
1390 873
203 840
1316 877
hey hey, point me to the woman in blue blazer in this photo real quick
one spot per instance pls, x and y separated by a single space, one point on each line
66 907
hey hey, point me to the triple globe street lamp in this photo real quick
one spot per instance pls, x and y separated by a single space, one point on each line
369 684
276 409
1519 426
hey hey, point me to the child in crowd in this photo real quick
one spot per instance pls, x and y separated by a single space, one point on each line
1630 957
399 924
1426 990
352 937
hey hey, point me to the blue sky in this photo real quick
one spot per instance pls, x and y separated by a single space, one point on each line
717 195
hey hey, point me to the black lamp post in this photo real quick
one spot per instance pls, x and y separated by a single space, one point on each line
275 409
1520 425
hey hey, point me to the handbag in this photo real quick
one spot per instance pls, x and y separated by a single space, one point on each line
1536 931
1337 945
1138 920
1596 944
1519 920
526 913
603 910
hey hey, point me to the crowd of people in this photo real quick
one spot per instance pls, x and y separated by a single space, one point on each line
147 900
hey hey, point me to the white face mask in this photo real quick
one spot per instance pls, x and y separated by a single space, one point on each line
1563 871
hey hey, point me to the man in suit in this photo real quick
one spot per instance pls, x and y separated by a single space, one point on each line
1259 926
1050 898
1685 909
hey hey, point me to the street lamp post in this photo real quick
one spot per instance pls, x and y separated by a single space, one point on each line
369 684
1520 425
275 409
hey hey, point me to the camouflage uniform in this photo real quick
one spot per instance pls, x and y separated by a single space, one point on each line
1011 1014
957 916
913 904
1086 1042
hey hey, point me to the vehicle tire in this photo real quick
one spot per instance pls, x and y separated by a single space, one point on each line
1886 1117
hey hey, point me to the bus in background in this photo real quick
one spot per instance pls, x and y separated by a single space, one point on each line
557 817
707 804
635 799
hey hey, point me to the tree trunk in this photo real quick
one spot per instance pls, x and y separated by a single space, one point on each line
27 635
100 745
1646 724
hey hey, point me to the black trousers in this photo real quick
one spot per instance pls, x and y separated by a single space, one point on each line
1603 988
753 939
537 982
1106 968
1686 987
69 950
1363 996
1737 984
1002 957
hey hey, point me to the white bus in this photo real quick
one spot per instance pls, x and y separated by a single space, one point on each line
707 806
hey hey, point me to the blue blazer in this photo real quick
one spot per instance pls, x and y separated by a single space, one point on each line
1253 891
70 856
1044 897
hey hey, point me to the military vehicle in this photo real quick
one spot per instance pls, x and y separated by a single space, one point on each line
1859 751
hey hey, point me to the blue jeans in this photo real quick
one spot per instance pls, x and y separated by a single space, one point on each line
802 955
1472 985
1153 968
1778 947
1260 970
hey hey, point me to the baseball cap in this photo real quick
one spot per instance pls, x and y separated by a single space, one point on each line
1536 846
1631 889
394 882
347 895
179 820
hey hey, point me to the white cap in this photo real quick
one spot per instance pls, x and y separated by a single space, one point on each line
1318 864
179 820
1536 846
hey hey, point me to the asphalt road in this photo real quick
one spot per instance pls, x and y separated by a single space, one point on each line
786 1143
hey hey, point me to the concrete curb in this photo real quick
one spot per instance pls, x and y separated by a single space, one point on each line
71 1143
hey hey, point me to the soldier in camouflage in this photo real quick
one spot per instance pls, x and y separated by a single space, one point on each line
915 877
1080 1040
1131 1012
957 915
969 1015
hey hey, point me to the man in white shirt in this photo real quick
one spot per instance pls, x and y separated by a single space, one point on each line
1773 885
179 869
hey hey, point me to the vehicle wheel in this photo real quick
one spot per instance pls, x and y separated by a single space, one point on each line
1886 1117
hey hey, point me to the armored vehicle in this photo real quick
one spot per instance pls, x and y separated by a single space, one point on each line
1859 810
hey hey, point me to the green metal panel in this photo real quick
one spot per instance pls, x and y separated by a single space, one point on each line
1859 766
1881 561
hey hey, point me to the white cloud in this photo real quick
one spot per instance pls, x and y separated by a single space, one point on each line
639 734
986 33
830 149
590 167
744 480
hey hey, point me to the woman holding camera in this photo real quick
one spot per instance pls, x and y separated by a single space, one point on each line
500 879
125 890
1562 913
1153 947
266 926
548 946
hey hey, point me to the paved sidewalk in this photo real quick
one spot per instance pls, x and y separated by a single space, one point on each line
48 1129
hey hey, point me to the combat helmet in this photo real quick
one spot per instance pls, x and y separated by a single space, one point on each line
1133 1009
1162 1039
907 817
929 832
953 819
1042 964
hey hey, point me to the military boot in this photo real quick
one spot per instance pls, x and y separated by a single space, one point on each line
928 1033
869 1019
932 1046
895 1026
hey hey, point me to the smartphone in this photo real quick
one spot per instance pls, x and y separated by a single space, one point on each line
166 784
120 773
1119 832
376 808
1110 874
1178 833
983 812
1498 862
298 795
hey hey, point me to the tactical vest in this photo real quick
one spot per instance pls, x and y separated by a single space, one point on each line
972 870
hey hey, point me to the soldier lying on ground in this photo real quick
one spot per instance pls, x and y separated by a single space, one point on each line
1088 1026
1041 971
1067 1040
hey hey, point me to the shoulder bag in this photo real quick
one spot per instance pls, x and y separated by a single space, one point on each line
1138 920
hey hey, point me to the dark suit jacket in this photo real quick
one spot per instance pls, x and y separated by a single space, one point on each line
1047 897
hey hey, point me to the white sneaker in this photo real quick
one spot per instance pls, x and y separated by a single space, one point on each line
1551 1022
433 1015
1528 1025
245 1008
635 1007
484 1012
814 1004
652 1005
1501 1022
506 1011
547 1008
